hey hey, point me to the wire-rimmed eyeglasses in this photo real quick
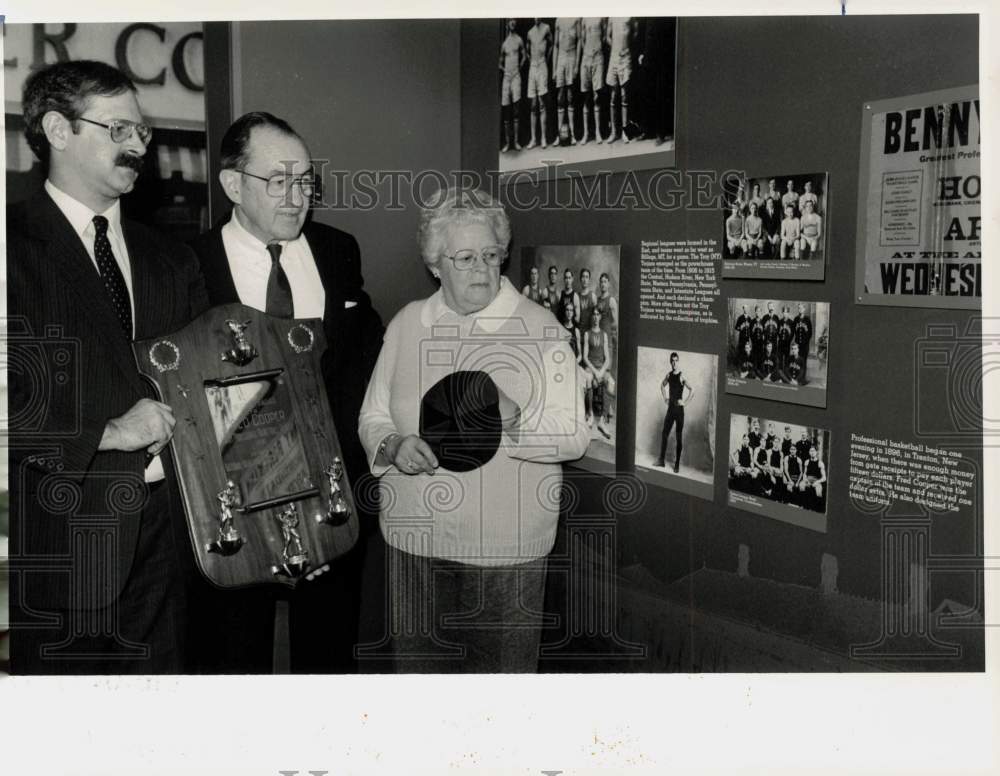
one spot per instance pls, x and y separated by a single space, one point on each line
280 184
122 129
492 256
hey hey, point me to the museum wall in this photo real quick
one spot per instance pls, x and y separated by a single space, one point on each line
768 96
367 95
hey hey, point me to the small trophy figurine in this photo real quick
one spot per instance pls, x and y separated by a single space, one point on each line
295 561
229 540
242 352
338 510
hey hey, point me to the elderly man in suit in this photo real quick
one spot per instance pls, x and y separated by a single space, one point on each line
97 560
268 255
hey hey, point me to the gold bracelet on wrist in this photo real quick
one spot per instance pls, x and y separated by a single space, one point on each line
384 444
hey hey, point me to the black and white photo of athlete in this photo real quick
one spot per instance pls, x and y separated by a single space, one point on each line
675 409
673 387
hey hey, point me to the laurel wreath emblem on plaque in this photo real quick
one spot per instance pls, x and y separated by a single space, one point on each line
301 338
165 355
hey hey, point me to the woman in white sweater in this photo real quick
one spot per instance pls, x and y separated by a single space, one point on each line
467 548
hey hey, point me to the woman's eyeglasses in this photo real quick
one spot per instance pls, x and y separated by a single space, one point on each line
492 256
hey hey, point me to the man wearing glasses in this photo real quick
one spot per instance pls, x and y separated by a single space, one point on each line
96 581
268 255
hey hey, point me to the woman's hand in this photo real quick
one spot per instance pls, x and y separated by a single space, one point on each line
411 455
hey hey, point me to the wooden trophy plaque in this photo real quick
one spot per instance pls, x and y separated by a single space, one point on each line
256 452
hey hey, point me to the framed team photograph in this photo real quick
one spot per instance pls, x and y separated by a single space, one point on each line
580 285
778 349
675 413
586 95
779 469
775 227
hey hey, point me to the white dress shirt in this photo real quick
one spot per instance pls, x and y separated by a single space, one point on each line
81 218
250 266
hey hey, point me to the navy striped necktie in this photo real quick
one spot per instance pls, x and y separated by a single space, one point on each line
111 274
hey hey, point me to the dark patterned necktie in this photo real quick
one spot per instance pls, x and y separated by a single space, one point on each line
111 274
279 292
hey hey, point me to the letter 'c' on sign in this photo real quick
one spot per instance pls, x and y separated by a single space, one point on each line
121 53
176 59
180 70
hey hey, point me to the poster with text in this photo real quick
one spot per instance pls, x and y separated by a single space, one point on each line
919 222
580 285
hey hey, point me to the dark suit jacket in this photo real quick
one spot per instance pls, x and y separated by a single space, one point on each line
353 334
71 370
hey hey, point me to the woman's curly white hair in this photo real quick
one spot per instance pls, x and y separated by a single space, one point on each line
459 206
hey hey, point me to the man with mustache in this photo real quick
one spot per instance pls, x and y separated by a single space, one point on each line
96 543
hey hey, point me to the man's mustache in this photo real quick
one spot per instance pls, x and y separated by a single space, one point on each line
131 161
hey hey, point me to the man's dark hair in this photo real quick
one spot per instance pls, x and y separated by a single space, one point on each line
66 87
234 151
